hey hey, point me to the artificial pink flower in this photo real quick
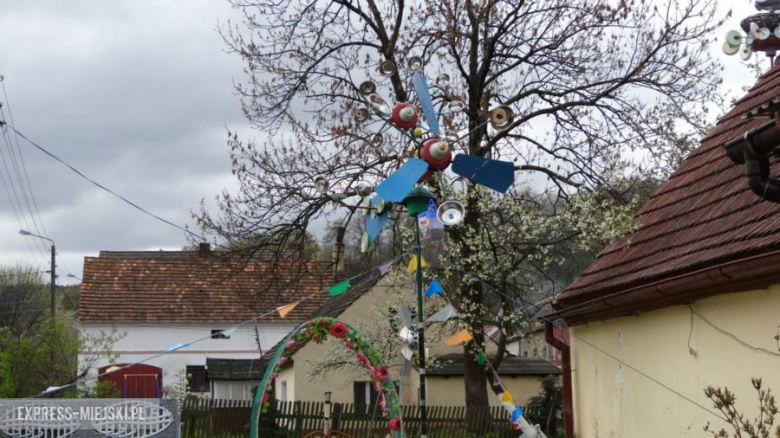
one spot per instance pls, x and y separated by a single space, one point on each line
362 358
381 373
395 424
264 398
323 323
282 360
291 344
338 330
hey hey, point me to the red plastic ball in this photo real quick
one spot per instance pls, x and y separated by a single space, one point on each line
433 163
404 116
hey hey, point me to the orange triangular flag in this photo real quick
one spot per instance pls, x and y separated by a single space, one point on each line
284 310
458 338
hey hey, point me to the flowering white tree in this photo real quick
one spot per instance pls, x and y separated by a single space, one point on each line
604 92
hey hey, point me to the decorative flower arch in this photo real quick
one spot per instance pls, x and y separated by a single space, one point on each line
318 330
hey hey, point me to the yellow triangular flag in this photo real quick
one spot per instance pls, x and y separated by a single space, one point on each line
458 338
413 264
284 310
506 397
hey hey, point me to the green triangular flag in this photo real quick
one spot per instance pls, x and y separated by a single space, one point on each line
481 358
339 288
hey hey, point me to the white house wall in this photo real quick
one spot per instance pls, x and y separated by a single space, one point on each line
146 340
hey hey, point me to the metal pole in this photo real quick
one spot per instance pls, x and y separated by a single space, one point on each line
53 277
421 334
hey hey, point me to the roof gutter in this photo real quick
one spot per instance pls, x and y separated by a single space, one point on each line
744 274
568 399
753 149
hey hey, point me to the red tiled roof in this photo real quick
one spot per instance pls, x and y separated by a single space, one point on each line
704 215
178 286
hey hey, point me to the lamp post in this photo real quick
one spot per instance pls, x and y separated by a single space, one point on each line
53 267
416 202
328 410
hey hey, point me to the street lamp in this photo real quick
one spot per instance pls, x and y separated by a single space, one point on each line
328 410
53 266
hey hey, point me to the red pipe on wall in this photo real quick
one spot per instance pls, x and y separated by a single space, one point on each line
568 401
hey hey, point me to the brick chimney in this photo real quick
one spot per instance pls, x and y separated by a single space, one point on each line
204 250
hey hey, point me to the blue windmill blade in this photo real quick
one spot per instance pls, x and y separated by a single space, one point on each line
494 174
376 223
398 184
426 102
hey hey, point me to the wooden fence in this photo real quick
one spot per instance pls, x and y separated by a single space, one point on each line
230 419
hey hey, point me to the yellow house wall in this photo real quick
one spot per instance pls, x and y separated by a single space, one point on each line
340 383
444 392
611 400
450 391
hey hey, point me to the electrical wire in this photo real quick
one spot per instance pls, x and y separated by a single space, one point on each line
184 345
525 307
9 188
106 189
731 335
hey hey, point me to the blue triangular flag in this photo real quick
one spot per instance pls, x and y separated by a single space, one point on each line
433 288
516 414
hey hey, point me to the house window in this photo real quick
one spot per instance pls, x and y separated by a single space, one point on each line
198 378
283 395
219 334
365 396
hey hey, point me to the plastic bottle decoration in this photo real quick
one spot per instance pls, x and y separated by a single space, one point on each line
436 153
456 106
361 114
443 80
761 34
386 68
367 88
415 63
502 117
377 140
404 116
378 104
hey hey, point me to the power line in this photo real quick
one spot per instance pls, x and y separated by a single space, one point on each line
9 188
23 164
525 307
731 335
127 201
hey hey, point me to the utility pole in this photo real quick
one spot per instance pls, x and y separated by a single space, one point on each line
421 333
53 282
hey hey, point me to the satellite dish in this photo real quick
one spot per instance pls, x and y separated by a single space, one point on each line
451 213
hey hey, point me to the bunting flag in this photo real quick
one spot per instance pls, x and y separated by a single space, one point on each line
517 413
496 380
433 288
284 310
176 347
339 288
407 353
481 358
413 264
458 338
506 397
445 314
384 268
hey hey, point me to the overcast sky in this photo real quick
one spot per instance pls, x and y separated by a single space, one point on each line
137 95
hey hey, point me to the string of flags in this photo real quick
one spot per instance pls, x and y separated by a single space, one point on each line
413 264
283 311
